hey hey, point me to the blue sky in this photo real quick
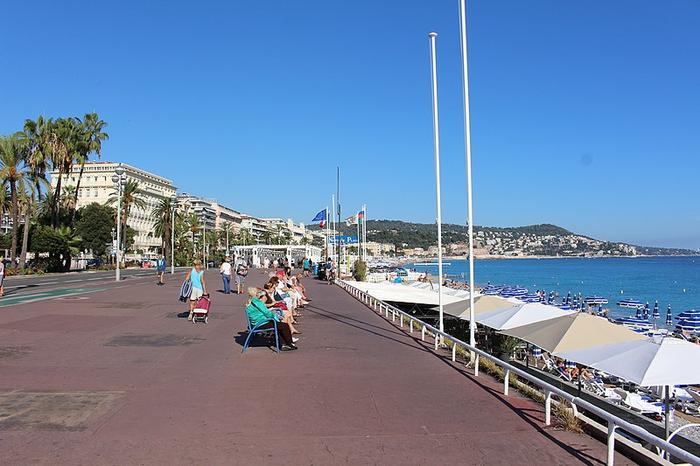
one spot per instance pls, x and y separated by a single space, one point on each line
585 114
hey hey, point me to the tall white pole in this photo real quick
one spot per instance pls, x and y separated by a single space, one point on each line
119 225
468 155
172 237
364 231
436 144
334 232
328 243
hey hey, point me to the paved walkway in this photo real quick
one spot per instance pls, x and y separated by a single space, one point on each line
116 378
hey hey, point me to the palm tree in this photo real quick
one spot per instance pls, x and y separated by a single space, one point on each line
130 198
13 171
28 200
92 137
66 144
163 214
193 226
69 199
36 136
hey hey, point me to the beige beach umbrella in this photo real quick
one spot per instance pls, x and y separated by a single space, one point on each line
482 304
572 332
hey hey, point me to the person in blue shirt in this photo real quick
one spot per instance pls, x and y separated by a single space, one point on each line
199 285
160 268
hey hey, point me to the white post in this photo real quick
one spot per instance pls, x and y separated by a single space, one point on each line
364 232
119 227
611 444
468 155
548 409
172 236
506 382
335 232
436 145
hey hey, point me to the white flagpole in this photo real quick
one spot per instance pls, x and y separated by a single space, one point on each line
436 144
359 240
364 231
468 155
328 251
334 232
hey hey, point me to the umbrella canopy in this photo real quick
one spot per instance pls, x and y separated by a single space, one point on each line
688 314
656 313
517 316
647 362
573 331
669 316
481 304
690 324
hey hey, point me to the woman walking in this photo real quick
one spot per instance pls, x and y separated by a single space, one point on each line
199 285
241 273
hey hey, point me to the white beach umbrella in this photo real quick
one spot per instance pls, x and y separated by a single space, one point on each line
517 316
649 363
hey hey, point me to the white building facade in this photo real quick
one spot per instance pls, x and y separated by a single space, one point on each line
96 186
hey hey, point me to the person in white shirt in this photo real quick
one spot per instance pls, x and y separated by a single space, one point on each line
225 271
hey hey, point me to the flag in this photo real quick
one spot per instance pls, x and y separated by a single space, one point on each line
351 220
321 217
361 216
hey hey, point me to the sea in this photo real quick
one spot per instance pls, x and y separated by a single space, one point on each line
670 280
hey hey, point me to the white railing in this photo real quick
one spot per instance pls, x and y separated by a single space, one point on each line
614 423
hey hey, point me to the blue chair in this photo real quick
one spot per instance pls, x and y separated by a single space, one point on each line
253 330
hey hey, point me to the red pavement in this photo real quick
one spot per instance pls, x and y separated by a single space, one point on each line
117 378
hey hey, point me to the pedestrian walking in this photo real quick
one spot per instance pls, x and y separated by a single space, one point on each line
160 268
241 274
199 285
2 276
225 271
307 266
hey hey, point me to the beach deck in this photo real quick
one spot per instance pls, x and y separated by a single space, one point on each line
115 377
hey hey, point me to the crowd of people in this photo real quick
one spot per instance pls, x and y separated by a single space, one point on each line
278 303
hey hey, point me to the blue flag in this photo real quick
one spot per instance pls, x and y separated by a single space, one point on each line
320 217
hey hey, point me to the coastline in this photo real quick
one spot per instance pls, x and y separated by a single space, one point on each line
406 260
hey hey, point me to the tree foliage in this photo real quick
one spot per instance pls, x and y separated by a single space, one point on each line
94 226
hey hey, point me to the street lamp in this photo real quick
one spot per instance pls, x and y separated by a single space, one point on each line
173 202
119 179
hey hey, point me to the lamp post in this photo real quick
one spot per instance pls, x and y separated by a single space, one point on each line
173 202
114 249
119 179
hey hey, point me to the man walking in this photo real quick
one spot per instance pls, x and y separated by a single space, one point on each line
225 271
241 273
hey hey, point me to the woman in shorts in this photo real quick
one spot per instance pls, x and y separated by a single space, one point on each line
199 285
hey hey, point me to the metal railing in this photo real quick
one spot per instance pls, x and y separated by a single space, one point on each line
614 423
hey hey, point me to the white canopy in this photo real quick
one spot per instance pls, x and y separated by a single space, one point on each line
399 293
647 362
516 316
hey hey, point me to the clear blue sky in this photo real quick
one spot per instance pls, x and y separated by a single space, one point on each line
585 114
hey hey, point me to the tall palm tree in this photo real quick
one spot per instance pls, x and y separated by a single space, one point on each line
36 135
92 137
69 199
193 226
130 198
13 171
66 145
162 228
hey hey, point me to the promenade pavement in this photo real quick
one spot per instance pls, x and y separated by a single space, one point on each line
116 378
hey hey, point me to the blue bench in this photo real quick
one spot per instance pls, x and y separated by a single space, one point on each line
258 330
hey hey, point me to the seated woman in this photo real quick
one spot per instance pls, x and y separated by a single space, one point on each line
257 313
278 307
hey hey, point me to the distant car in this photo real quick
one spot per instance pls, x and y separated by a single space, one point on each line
93 263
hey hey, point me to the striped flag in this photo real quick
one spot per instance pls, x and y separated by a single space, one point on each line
352 220
360 216
321 217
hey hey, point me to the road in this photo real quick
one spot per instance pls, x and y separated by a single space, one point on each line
31 288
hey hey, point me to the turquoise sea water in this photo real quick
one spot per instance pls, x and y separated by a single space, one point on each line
670 280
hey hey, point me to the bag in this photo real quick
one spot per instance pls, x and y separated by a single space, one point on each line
242 270
185 290
203 303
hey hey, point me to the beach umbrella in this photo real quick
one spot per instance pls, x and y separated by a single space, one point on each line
482 304
689 325
518 316
573 331
568 298
639 313
688 314
570 364
536 352
669 316
647 362
656 314
646 310
600 310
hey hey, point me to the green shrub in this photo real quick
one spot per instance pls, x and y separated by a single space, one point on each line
359 270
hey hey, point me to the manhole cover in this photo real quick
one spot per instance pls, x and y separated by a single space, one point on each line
153 340
62 411
13 352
